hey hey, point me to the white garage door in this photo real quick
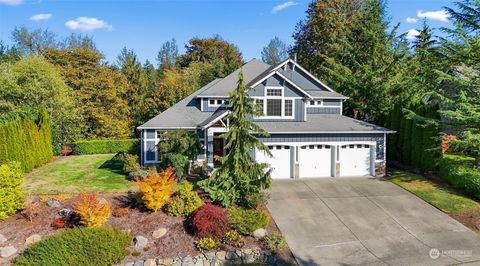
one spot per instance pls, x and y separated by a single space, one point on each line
355 160
280 162
315 161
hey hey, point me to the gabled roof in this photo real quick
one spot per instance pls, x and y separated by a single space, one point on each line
250 70
185 114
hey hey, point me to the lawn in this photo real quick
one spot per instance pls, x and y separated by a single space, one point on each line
75 174
439 195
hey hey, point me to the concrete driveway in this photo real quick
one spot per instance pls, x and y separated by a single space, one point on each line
364 221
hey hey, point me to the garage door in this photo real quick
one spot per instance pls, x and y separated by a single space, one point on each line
280 162
315 161
355 160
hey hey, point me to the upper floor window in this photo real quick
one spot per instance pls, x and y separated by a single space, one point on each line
217 102
274 92
314 102
274 105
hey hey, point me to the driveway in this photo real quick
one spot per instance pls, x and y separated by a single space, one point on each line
364 221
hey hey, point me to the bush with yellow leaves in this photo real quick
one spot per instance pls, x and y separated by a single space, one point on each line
156 189
92 210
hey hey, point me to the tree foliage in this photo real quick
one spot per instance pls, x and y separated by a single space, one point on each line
275 52
92 210
239 173
156 189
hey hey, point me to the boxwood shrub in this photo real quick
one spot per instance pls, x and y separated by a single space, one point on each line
459 171
245 221
78 246
106 146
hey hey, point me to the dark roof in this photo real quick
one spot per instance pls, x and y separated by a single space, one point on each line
226 85
326 94
214 117
322 123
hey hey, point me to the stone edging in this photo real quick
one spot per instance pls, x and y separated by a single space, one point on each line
213 258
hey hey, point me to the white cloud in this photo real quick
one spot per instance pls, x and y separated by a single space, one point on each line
411 20
43 16
87 24
412 34
11 2
440 15
282 6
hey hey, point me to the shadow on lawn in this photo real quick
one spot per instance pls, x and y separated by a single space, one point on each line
112 165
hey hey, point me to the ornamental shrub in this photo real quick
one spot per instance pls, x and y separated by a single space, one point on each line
205 243
233 238
11 194
131 163
459 171
246 221
106 146
255 200
92 210
210 221
274 241
78 246
156 189
185 202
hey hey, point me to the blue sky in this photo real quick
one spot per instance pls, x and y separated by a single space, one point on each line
145 24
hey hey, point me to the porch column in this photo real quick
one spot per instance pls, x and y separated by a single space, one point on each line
373 157
209 141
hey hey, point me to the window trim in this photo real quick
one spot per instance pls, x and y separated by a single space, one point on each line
265 98
224 102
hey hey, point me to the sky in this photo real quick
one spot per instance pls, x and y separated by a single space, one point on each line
144 25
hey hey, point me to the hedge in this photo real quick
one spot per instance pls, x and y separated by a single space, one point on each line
11 194
106 146
78 246
459 171
26 141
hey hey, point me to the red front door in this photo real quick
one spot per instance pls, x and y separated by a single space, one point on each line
218 149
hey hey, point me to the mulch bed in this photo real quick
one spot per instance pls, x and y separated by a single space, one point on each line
176 242
470 219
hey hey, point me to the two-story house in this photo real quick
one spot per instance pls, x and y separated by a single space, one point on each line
309 136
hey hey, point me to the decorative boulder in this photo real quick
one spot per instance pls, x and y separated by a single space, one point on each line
140 242
7 251
159 232
33 239
53 203
259 233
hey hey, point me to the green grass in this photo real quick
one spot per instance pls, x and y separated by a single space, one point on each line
75 174
439 195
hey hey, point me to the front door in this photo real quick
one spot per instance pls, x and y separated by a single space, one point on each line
218 149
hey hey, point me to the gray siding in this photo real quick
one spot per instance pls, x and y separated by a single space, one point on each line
207 108
275 80
323 110
301 78
332 102
378 138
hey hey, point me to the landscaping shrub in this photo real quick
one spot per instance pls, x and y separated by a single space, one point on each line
246 221
210 221
255 200
131 163
27 141
138 175
176 148
31 211
79 246
11 194
59 223
232 238
459 171
156 189
185 202
106 146
274 241
205 243
92 210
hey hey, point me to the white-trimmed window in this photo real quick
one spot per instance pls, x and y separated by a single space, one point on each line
274 105
314 103
217 102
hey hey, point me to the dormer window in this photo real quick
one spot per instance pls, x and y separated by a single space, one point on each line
217 102
274 104
314 103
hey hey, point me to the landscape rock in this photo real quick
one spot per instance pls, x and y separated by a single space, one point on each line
140 242
6 252
129 263
3 239
210 255
164 261
159 232
53 203
32 239
138 263
150 262
259 233
221 255
65 212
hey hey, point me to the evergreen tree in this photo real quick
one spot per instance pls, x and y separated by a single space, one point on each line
275 52
167 55
239 173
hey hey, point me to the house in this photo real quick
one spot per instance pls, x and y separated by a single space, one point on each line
309 136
